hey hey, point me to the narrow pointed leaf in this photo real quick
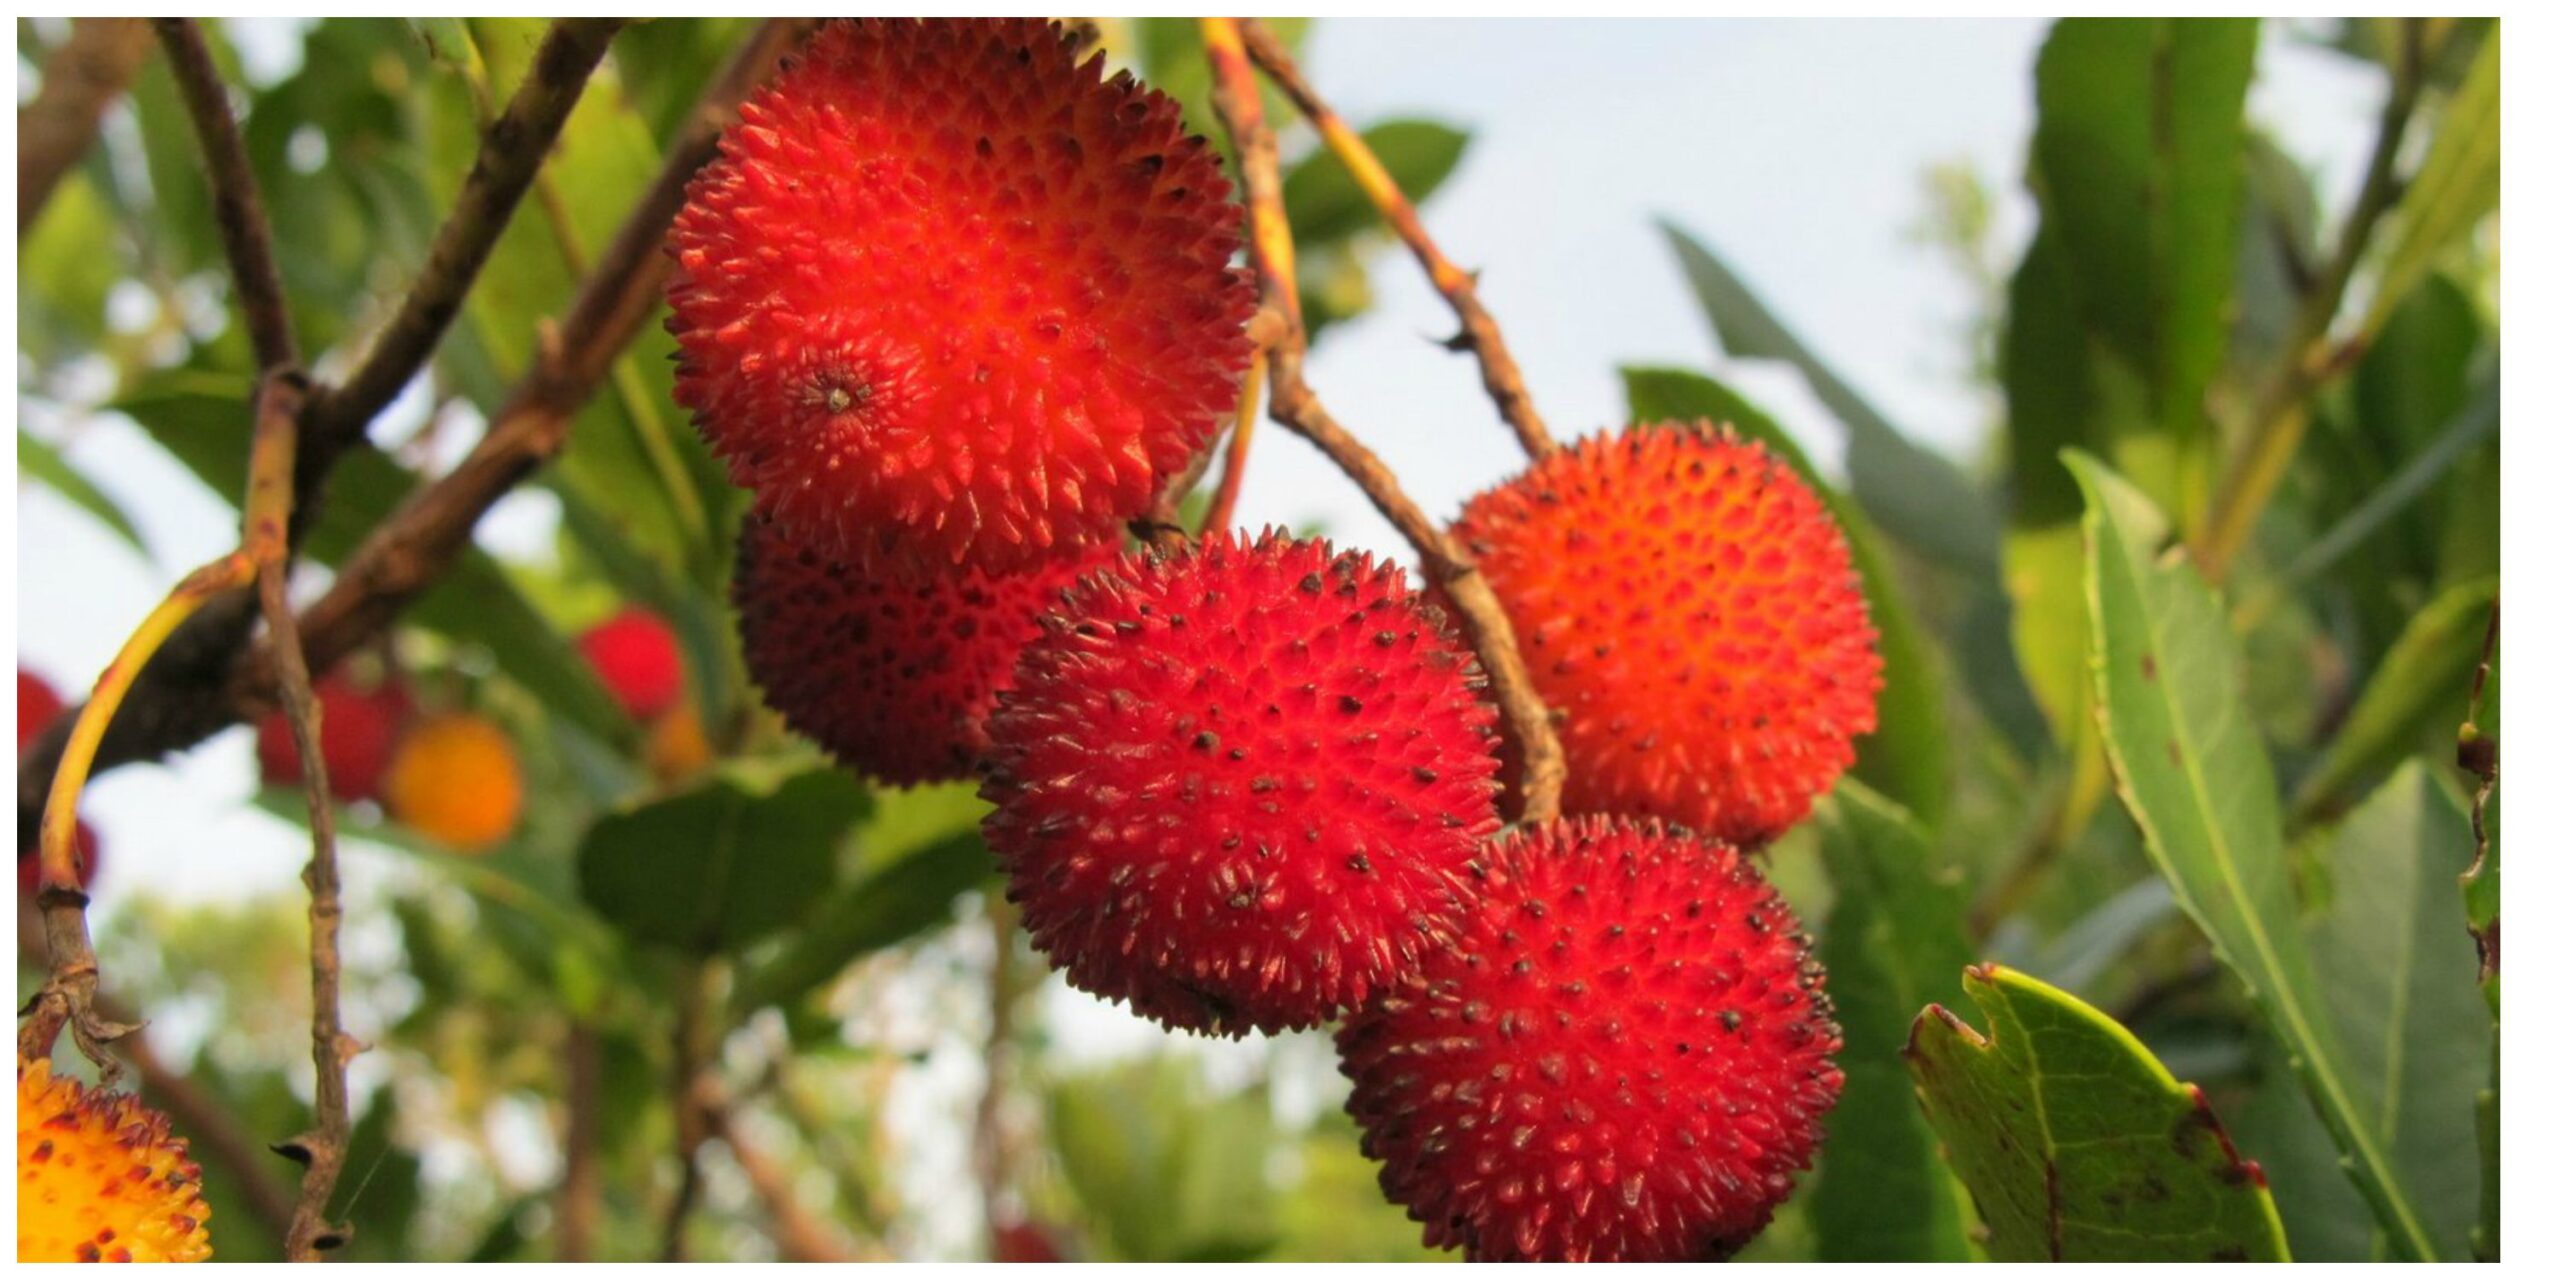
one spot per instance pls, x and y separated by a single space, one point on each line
2191 770
1895 942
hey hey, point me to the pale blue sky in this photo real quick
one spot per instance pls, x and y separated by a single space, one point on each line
1796 148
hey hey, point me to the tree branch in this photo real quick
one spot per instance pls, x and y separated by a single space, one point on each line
237 207
1477 331
797 1234
201 684
83 76
1294 405
511 152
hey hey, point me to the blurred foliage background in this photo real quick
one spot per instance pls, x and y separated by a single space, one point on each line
2186 314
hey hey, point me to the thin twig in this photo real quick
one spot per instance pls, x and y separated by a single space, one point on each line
238 209
797 1234
321 1149
69 994
1477 330
2281 413
82 77
989 1146
1222 505
686 1083
581 1201
2477 753
511 152
1294 405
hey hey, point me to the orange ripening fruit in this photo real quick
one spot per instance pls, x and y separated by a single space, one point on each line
1686 604
950 299
100 1179
677 748
455 778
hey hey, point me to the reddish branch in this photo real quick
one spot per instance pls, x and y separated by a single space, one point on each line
238 210
82 78
1477 331
1294 405
511 152
798 1235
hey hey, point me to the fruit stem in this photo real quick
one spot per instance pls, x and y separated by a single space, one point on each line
1477 331
1222 506
1295 406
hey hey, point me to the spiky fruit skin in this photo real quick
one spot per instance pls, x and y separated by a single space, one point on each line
100 1179
949 299
359 728
455 779
635 655
1625 1057
1688 605
38 704
894 678
1242 785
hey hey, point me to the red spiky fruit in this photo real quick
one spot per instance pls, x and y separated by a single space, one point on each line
635 655
1241 785
1625 1057
38 704
948 298
1686 603
894 678
359 726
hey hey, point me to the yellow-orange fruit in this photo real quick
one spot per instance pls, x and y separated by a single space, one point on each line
1685 603
100 1179
455 778
676 747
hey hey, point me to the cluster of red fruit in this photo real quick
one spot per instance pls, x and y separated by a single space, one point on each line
958 308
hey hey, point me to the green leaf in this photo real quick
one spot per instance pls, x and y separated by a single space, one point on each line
1165 1170
2396 960
2195 777
2138 160
1894 943
1906 758
2423 679
41 462
2381 504
2077 1144
1917 496
717 867
888 906
1325 205
2456 185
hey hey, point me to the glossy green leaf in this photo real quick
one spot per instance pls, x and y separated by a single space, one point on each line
891 904
2077 1144
1916 496
1325 205
1906 757
2423 679
2190 768
2396 960
2138 163
717 867
44 464
2456 185
1895 942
